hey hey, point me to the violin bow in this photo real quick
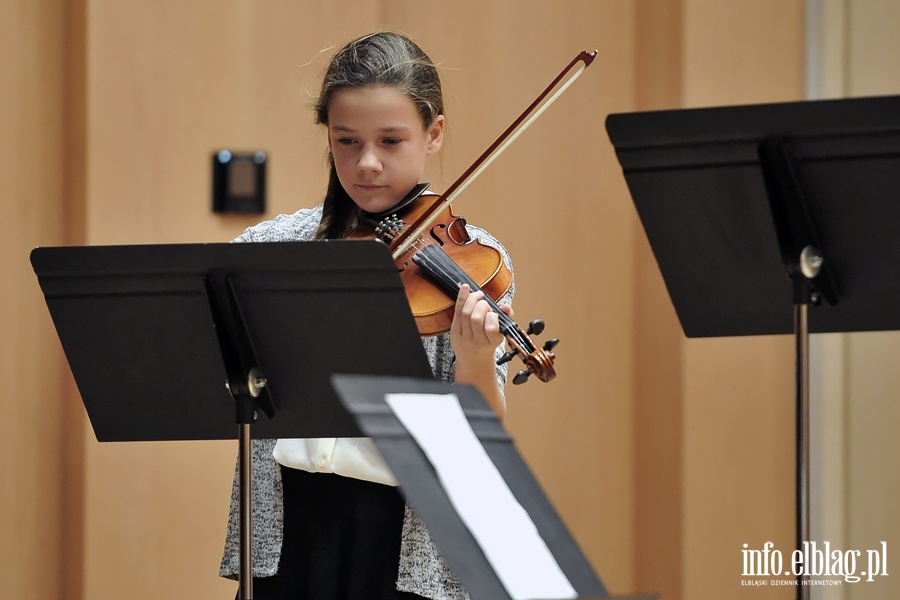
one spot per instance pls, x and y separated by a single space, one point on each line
516 128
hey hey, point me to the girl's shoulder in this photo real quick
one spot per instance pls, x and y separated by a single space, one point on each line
485 237
296 227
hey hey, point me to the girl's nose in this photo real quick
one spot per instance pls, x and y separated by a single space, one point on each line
369 161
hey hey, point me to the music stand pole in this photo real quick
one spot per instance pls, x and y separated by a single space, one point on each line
812 279
802 456
246 531
247 385
801 315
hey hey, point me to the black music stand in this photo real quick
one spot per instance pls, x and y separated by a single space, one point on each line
752 210
203 341
364 397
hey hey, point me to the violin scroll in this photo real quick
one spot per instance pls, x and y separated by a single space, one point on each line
538 361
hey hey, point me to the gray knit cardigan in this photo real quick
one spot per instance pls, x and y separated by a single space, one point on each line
422 570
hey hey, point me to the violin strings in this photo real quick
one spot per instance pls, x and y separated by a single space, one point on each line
440 265
437 263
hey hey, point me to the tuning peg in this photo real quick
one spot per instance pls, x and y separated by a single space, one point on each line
551 344
507 357
535 327
521 377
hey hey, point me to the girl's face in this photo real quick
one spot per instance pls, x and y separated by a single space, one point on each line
379 144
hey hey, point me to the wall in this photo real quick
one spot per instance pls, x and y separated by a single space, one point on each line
32 134
714 416
856 384
663 455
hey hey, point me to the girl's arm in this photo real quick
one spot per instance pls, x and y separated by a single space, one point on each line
474 335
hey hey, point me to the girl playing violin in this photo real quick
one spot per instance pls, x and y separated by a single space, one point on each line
328 520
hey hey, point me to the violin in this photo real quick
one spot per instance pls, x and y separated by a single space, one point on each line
435 254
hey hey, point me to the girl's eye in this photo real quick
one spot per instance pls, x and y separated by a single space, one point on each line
346 141
392 141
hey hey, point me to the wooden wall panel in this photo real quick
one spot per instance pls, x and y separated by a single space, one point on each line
744 52
738 393
870 468
658 362
31 185
715 417
859 58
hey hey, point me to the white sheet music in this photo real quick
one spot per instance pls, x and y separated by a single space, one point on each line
499 524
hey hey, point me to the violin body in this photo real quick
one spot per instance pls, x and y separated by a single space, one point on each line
431 302
438 260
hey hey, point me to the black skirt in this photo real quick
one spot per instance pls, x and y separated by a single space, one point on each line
341 540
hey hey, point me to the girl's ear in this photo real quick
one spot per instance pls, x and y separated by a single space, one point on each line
435 135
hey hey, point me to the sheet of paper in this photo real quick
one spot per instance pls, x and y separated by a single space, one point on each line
503 529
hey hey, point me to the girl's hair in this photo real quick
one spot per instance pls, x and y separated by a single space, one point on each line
381 58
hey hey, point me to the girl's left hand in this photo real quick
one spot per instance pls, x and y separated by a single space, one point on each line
474 335
475 331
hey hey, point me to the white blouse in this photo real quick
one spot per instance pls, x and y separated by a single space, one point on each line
350 457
